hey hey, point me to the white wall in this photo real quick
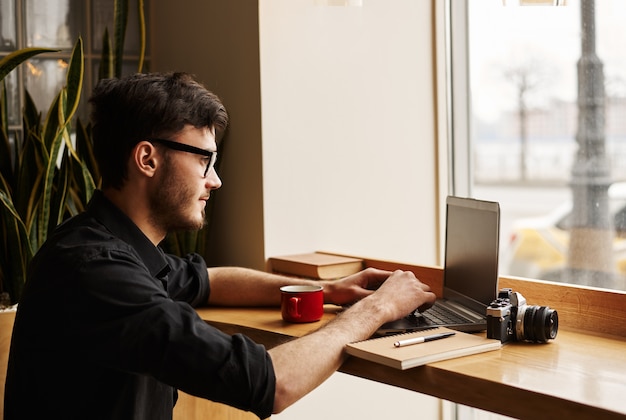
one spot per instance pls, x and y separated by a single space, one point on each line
348 128
349 156
344 397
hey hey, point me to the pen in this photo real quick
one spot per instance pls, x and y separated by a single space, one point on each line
424 339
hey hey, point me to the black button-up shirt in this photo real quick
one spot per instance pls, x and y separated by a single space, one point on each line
106 329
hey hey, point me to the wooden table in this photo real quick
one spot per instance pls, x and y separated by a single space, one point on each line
578 375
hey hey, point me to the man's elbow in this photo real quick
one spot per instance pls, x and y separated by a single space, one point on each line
283 398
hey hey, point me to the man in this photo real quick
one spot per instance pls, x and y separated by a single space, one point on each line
106 326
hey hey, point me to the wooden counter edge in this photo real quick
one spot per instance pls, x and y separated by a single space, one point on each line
486 395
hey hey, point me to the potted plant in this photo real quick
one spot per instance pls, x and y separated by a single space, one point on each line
50 174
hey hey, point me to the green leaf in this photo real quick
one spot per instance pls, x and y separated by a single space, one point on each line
16 251
89 185
171 244
58 199
11 61
48 179
6 166
189 241
33 159
74 79
4 186
142 34
52 124
4 113
83 184
105 71
120 21
31 117
84 149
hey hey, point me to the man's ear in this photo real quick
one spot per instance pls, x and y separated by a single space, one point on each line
145 158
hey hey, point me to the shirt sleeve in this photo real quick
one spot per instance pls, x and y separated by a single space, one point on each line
188 279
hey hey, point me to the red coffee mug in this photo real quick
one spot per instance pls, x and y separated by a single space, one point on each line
302 303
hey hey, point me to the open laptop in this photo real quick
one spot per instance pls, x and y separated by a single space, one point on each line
470 275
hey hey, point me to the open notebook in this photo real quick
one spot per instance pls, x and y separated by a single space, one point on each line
470 270
382 349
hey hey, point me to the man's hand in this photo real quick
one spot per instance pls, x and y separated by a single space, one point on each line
355 287
397 285
401 293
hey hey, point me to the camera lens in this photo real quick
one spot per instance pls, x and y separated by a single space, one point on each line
540 324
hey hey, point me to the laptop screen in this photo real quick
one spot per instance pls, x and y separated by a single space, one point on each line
471 251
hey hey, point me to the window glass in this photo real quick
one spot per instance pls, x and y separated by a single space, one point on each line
53 23
13 100
548 139
43 79
7 26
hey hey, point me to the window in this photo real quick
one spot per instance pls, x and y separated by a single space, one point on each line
58 24
546 139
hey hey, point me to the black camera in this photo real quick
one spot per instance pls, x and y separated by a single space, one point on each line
510 319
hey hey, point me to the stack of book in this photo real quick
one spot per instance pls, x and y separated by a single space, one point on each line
315 265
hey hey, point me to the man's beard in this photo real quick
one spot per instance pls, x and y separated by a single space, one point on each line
170 203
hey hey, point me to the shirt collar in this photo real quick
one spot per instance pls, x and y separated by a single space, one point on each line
120 225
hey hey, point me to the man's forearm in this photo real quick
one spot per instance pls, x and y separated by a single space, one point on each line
303 364
236 286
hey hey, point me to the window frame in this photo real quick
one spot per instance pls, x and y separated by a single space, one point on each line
92 56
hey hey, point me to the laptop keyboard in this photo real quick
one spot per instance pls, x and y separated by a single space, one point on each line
438 315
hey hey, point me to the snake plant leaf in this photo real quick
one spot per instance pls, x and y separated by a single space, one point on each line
77 197
88 184
4 185
171 244
120 20
74 79
6 167
4 112
33 158
73 87
31 117
105 71
142 34
56 133
58 199
57 119
83 185
188 241
11 61
16 251
84 148
55 147
52 124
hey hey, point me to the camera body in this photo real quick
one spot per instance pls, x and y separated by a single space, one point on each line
509 318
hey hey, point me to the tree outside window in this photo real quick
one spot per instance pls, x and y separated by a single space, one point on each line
548 140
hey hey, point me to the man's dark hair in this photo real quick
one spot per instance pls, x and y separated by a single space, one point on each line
159 105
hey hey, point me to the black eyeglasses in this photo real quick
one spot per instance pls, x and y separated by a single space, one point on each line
181 147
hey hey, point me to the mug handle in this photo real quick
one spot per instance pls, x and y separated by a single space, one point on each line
292 308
